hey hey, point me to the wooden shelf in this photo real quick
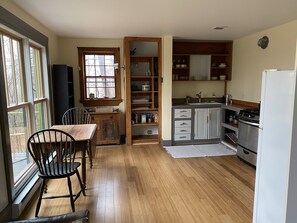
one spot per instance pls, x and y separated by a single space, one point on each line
144 109
230 126
143 69
219 52
145 124
145 139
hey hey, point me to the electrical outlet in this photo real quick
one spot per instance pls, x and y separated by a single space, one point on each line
149 131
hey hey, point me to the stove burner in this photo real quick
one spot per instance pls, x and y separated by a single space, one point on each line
250 115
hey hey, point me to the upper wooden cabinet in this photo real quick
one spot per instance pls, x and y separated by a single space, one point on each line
201 60
143 90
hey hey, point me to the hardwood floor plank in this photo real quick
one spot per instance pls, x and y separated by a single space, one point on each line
144 184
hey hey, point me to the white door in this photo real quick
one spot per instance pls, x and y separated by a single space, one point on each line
214 124
201 123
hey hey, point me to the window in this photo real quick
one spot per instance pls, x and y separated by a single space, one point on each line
40 102
26 102
99 76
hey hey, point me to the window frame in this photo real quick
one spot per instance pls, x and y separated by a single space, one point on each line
82 51
27 104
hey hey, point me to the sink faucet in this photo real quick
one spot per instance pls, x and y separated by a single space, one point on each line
188 98
199 96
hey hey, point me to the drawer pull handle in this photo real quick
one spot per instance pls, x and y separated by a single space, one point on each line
182 137
183 116
246 152
183 130
184 123
183 111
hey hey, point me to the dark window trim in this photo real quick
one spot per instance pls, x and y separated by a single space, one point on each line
14 23
99 102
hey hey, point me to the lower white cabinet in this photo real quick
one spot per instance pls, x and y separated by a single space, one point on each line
182 124
207 123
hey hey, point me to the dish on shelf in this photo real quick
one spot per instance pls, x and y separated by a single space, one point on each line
214 78
222 77
222 65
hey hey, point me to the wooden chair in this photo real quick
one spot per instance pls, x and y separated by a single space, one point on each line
76 116
54 152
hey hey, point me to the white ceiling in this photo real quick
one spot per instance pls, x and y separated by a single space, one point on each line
186 19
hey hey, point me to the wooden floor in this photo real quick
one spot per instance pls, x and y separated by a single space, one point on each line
136 184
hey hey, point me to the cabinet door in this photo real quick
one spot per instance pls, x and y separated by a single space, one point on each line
107 128
200 123
214 124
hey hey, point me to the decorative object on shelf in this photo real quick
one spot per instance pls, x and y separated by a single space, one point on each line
145 87
263 42
149 117
222 77
132 52
156 118
143 118
222 65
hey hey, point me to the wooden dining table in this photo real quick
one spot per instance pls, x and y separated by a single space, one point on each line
85 136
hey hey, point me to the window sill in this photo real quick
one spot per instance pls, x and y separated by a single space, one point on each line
25 196
101 102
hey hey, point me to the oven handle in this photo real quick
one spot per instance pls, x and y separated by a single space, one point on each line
248 123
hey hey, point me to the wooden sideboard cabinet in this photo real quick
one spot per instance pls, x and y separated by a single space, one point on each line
108 127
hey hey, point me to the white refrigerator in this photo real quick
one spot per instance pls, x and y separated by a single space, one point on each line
275 198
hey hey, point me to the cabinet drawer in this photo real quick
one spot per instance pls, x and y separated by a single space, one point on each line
247 155
182 123
180 137
182 113
183 130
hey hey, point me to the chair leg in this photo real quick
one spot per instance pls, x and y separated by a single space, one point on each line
40 196
90 154
70 194
82 187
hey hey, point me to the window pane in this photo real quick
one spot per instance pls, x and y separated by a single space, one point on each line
98 67
18 129
99 60
40 115
109 71
36 73
109 60
9 80
18 70
101 87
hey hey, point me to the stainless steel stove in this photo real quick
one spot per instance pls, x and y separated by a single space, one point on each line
248 131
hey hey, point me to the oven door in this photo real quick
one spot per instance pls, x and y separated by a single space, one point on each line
248 135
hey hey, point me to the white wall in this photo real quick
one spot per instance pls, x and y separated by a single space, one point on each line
166 86
249 60
17 11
